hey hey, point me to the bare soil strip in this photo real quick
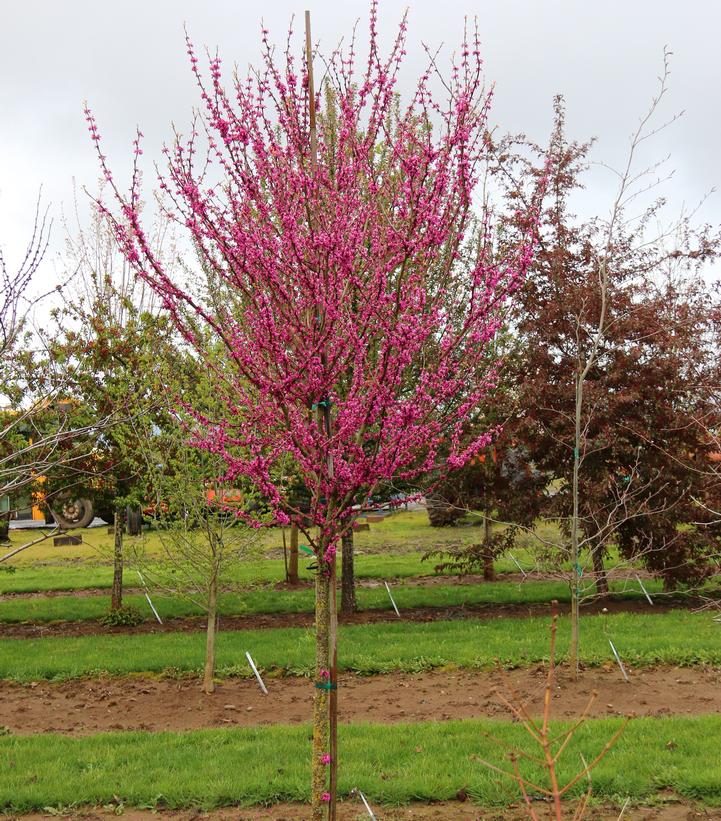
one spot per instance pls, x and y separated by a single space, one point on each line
260 621
87 706
352 811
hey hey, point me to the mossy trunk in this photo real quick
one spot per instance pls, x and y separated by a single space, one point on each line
293 556
116 597
321 725
489 571
209 672
347 596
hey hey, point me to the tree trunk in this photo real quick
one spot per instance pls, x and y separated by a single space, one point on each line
575 567
347 596
599 571
321 726
116 599
293 556
209 673
489 571
134 520
4 528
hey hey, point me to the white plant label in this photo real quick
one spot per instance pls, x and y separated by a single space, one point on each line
147 596
257 674
390 596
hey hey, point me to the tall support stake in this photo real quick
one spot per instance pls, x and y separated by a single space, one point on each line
326 586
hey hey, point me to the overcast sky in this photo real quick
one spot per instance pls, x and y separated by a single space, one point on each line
128 61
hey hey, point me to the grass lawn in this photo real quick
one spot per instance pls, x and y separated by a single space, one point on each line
266 601
406 531
403 532
29 578
391 765
392 549
677 637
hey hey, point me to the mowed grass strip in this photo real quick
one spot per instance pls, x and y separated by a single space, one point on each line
29 578
88 575
391 765
268 601
677 637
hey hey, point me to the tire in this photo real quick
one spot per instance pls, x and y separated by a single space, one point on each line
74 513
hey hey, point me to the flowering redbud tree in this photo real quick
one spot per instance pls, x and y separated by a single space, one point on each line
335 276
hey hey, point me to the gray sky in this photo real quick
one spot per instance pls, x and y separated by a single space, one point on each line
128 61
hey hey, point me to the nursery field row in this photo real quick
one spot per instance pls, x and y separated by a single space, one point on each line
88 574
267 601
416 761
155 704
676 637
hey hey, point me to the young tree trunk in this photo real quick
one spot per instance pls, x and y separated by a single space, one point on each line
321 725
116 598
347 596
575 567
489 571
293 556
599 571
209 673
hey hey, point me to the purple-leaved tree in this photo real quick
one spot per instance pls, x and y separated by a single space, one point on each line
347 334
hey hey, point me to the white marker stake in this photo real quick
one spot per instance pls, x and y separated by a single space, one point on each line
645 592
255 670
523 572
367 806
390 596
147 596
618 659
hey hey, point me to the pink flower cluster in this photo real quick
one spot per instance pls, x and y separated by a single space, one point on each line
351 280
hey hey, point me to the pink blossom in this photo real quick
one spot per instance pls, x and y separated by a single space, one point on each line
356 312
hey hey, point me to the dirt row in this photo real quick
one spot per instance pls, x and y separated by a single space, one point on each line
87 706
442 811
259 621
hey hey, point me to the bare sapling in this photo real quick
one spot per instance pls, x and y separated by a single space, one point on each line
552 744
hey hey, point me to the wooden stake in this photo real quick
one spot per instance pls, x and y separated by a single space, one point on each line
325 424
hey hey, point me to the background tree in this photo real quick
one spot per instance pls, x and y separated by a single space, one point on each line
609 380
37 431
200 534
111 343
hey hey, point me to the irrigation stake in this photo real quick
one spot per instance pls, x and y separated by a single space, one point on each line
147 596
390 595
257 674
645 592
618 659
523 572
365 803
